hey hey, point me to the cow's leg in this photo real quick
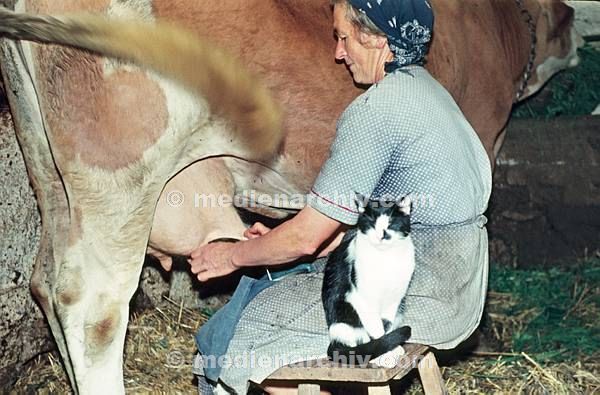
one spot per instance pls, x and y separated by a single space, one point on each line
54 211
92 295
40 280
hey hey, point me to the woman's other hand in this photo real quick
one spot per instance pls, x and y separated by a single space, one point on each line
256 230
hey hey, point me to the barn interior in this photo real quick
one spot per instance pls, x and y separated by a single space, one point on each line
540 328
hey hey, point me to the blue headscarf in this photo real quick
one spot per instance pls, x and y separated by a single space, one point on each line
408 25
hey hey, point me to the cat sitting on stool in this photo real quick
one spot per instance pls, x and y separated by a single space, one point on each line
365 281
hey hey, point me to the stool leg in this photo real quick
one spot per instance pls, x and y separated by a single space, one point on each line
431 377
379 390
309 389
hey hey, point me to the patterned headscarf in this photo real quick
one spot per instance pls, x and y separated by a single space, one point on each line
408 25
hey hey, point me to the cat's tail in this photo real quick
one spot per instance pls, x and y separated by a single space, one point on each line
363 353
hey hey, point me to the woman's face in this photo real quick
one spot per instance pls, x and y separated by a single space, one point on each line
365 55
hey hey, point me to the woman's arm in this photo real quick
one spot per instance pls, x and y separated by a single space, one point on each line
335 241
307 234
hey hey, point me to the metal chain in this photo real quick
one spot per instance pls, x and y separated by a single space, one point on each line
529 68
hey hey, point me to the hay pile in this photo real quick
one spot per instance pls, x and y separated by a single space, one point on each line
521 374
534 344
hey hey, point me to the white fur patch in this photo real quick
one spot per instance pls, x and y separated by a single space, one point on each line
368 313
134 9
20 6
552 65
390 359
381 225
405 205
348 335
138 9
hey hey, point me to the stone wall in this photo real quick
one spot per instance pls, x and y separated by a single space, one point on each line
545 208
23 331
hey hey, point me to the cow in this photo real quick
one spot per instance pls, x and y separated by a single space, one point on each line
116 153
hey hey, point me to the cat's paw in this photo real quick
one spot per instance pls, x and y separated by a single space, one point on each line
390 359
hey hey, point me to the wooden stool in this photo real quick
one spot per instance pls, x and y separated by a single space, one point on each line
310 374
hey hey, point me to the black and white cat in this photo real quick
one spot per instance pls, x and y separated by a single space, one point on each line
366 279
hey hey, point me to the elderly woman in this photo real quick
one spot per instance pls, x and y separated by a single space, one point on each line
404 135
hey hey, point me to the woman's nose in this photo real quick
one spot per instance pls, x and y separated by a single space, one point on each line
340 50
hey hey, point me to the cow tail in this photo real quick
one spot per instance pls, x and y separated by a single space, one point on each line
202 68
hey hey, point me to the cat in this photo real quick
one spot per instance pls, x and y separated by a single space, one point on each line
365 280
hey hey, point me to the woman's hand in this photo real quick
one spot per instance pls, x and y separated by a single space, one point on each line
212 260
301 236
256 230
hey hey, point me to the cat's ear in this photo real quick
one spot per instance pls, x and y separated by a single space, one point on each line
361 201
405 205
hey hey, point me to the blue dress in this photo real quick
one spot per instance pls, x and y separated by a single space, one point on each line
404 136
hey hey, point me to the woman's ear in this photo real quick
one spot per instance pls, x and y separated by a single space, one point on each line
372 40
